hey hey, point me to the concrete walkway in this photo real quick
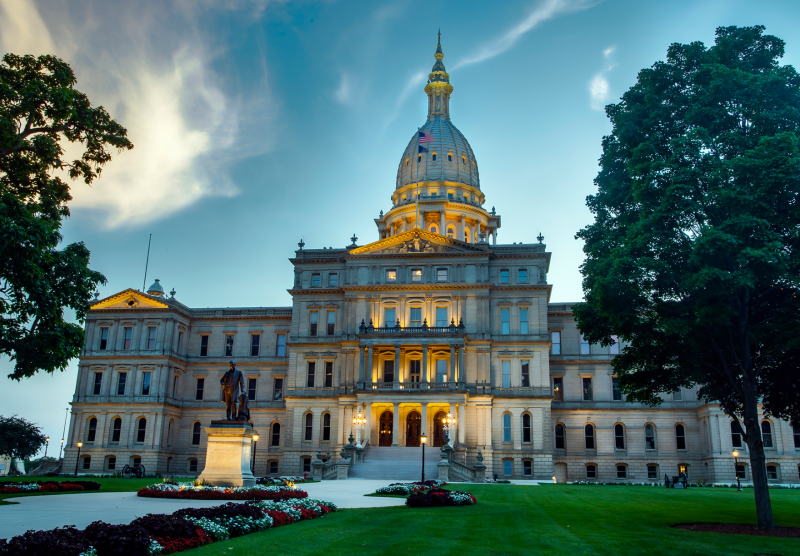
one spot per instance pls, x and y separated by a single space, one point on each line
51 511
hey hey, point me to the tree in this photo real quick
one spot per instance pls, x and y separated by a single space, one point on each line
39 107
693 260
19 438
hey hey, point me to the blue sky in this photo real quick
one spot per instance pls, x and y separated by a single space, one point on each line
256 123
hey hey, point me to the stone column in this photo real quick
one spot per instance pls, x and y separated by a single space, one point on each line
360 364
396 383
460 228
424 413
453 376
369 362
396 425
462 424
461 376
368 426
487 413
424 369
441 222
452 435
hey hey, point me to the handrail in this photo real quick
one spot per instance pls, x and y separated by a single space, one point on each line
461 469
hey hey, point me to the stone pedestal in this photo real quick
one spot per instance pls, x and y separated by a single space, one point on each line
230 448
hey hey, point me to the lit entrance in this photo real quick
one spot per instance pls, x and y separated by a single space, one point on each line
413 428
386 422
438 429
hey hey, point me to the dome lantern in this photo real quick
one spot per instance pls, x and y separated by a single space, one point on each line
156 290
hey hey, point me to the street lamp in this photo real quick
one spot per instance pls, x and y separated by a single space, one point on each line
255 445
422 440
448 424
736 467
359 422
80 445
47 444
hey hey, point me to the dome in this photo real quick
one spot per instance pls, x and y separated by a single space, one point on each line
156 290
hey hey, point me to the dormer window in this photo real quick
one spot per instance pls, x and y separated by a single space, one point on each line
433 157
406 162
449 157
463 159
419 158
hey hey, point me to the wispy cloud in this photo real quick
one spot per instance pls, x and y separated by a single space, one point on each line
598 86
342 94
413 84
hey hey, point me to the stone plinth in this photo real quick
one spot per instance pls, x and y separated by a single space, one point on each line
230 447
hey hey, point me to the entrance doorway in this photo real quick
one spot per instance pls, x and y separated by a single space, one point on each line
385 432
438 430
413 429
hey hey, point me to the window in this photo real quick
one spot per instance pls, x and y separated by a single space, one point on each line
141 430
203 346
560 440
526 374
588 432
508 467
180 341
736 434
504 318
307 461
441 316
416 275
558 389
98 382
388 370
280 350
276 434
92 430
466 230
196 434
151 337
616 391
198 394
112 463
193 465
121 380
169 432
587 389
591 471
506 427
619 437
126 343
273 467
523 320
506 374
613 349
255 344
312 367
228 345
103 338
504 276
555 343
328 374
796 431
450 195
441 275
174 385
433 228
419 158
251 388
522 275
526 427
315 280
326 427
766 434
145 384
416 317
463 159
622 472
740 471
278 389
649 437
680 437
527 467
406 162
391 276
677 396
652 472
87 462
772 472
313 321
449 157
441 370
414 371
309 427
331 323
333 279
585 347
116 430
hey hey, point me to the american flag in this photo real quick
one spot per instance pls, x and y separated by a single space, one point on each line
425 137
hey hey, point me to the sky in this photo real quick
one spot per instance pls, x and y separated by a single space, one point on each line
258 123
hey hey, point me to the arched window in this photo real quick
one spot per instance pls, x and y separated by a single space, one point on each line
736 434
433 229
196 434
92 430
680 437
276 434
326 426
466 235
309 427
649 437
619 437
506 428
116 431
526 427
406 162
463 159
419 158
449 157
766 434
560 441
141 430
451 232
588 433
433 156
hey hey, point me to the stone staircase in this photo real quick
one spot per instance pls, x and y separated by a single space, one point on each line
396 464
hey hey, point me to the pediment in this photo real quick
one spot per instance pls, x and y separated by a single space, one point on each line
417 241
130 299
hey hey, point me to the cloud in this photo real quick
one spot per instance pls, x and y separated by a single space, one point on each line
342 94
609 51
413 83
598 86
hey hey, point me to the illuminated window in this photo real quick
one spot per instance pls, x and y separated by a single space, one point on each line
419 158
450 157
434 229
558 389
466 235
587 389
433 156
391 275
451 232
406 162
416 275
463 159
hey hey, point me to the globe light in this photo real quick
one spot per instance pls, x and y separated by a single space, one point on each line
255 438
736 453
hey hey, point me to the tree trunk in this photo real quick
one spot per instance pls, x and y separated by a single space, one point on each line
758 468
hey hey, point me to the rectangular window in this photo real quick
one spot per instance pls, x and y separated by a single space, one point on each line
198 393
523 275
416 317
280 350
112 464
273 467
555 343
441 316
315 280
505 324
127 338
523 320
591 471
388 370
229 345
585 347
616 392
740 471
306 465
677 396
441 275
558 389
613 349
151 337
506 374
441 370
391 276
526 374
504 276
251 389
87 462
622 472
331 323
313 321
414 371
255 344
278 389
312 367
145 384
121 380
333 279
508 467
180 341
203 346
772 473
416 275
652 472
527 468
587 389
98 382
328 374
104 338
390 318
193 465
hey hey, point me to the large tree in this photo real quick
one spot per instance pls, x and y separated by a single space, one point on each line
693 259
19 438
40 110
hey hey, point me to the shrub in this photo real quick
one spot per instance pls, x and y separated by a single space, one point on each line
166 526
62 541
171 545
225 510
438 497
118 540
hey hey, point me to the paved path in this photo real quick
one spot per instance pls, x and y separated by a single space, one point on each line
50 511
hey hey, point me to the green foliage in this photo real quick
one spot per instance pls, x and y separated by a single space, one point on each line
19 438
39 107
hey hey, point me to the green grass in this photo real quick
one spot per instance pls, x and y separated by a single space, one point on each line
107 485
548 519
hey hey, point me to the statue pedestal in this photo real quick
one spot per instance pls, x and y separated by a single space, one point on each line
230 448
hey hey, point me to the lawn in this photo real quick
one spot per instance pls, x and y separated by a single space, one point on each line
108 485
548 519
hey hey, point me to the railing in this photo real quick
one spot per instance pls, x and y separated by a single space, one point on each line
266 312
519 248
467 473
423 329
410 386
168 352
320 254
521 391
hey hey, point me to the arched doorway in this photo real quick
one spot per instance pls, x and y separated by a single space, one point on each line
413 428
385 431
438 429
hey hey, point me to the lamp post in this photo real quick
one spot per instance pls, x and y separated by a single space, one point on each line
255 445
422 440
80 445
47 445
736 468
359 422
448 423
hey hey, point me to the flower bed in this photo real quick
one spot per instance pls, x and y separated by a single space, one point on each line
437 497
9 487
189 491
409 488
156 534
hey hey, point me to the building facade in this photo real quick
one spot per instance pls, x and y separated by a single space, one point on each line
433 318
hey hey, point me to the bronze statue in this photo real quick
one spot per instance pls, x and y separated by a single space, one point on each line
235 395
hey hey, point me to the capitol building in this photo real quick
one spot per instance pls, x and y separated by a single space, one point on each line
434 318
